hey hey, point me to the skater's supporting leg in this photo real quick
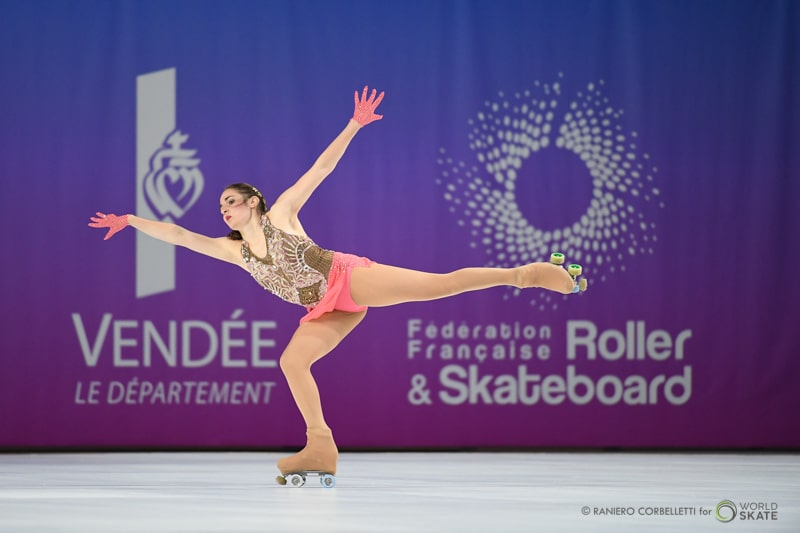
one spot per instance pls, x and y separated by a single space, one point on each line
311 342
382 285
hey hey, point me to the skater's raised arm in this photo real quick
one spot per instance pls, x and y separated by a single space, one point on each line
292 200
219 248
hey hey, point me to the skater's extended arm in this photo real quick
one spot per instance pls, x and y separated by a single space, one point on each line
292 200
220 248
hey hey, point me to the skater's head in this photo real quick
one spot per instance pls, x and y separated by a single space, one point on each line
235 202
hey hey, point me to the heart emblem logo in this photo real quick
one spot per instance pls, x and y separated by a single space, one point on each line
174 182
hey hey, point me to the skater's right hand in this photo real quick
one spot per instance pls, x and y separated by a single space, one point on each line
112 222
364 112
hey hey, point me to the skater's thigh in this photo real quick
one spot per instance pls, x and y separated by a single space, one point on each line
314 339
381 285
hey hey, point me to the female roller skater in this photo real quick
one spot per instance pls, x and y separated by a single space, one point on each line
336 288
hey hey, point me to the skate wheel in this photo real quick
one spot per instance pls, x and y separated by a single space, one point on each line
281 480
575 270
557 258
327 480
296 480
583 284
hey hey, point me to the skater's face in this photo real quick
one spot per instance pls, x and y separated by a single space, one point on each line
234 207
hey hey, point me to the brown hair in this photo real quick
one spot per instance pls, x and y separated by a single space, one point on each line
248 191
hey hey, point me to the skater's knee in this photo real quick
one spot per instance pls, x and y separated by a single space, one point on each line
292 363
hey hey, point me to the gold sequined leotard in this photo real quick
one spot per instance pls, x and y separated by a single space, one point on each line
295 268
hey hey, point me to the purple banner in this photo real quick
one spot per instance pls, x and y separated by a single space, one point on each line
666 167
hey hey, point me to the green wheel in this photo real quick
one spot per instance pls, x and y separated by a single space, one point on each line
557 258
281 480
575 270
583 284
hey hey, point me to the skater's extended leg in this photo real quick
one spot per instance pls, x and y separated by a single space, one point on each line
382 285
311 342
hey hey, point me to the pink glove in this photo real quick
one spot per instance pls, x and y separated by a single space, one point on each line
112 222
365 109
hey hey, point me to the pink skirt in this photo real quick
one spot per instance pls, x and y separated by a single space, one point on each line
337 296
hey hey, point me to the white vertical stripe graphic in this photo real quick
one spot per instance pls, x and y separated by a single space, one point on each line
155 119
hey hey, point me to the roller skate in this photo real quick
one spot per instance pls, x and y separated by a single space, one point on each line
574 271
318 458
298 479
551 276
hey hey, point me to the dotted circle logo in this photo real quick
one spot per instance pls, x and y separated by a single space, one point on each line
505 134
725 511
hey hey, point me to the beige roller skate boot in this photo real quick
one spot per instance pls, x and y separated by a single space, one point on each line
319 457
552 276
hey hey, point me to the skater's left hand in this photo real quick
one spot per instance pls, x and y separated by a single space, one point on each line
112 222
364 112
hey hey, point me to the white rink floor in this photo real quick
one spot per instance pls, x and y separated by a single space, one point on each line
378 492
